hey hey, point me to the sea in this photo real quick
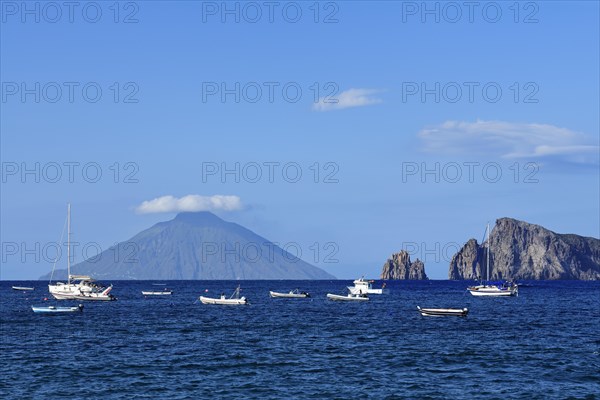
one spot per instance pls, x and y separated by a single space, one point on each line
543 344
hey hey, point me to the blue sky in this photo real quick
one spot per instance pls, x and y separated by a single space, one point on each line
465 97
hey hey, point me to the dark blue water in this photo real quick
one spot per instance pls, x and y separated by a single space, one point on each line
543 344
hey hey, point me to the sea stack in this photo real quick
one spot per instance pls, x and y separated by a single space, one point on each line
399 266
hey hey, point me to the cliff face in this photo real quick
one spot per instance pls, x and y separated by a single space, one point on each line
519 250
469 262
399 266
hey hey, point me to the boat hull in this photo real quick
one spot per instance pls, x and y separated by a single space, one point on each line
22 288
168 293
355 290
492 291
337 297
224 302
443 312
289 295
84 297
57 310
66 288
71 292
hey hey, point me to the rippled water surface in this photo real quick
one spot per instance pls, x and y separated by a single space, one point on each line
543 344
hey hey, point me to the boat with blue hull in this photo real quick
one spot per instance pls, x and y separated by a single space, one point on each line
57 310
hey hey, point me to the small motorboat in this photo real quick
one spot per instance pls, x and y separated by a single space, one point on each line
57 310
348 297
233 300
293 294
442 312
165 292
22 288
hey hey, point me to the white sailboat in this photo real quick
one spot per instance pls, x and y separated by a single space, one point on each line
492 289
78 287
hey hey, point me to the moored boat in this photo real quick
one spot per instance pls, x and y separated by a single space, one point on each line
293 294
348 297
81 290
78 287
493 289
233 300
441 312
363 286
23 288
57 310
157 293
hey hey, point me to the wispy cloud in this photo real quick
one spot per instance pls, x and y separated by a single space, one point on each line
509 140
190 203
347 99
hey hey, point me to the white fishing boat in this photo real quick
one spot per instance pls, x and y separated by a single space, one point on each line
348 297
441 312
57 310
78 287
292 294
22 288
493 289
158 293
363 286
233 300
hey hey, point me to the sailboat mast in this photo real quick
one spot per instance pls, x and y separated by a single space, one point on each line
488 251
68 243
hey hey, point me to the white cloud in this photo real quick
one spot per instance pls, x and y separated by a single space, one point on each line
509 140
190 203
347 99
